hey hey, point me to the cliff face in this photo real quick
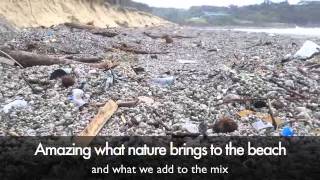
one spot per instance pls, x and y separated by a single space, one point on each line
33 13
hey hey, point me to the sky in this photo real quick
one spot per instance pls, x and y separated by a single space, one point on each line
188 3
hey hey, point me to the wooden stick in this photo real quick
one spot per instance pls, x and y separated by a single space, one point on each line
135 51
287 89
127 103
274 123
97 123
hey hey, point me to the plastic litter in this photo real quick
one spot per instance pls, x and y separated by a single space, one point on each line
109 80
190 127
287 132
77 97
58 74
308 49
259 125
164 81
183 61
17 104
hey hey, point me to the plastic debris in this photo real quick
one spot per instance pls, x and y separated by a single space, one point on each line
183 61
287 132
164 81
77 97
259 125
190 127
261 116
58 74
17 104
109 80
308 50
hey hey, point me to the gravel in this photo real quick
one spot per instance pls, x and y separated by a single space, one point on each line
243 65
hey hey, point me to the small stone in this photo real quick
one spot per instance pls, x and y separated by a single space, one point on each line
289 83
231 97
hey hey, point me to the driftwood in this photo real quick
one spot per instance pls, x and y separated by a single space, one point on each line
93 29
274 123
97 123
131 103
28 59
287 89
125 48
85 59
166 35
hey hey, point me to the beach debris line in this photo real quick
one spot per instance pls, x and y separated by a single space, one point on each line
94 30
135 50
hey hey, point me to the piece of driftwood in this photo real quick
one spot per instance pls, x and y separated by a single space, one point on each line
28 59
135 51
153 36
80 26
94 30
274 123
131 103
85 59
104 32
287 89
97 123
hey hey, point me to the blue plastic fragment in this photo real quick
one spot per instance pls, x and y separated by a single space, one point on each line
287 132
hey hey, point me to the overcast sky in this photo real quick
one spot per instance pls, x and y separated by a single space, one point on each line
189 3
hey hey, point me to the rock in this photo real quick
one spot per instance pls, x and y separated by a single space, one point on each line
289 83
231 97
308 50
317 115
147 100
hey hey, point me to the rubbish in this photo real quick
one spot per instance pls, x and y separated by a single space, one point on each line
190 127
67 81
259 104
261 116
164 81
123 119
307 51
138 70
17 104
109 80
287 132
225 125
259 125
182 61
147 100
77 97
97 123
245 113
